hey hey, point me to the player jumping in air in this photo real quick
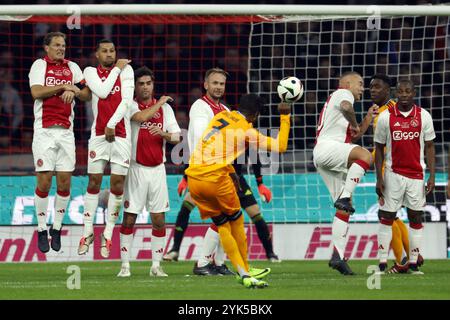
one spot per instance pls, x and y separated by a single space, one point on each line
112 85
54 83
340 163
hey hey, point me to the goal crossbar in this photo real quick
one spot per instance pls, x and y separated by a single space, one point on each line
230 9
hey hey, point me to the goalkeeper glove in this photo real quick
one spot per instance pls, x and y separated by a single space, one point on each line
265 193
182 186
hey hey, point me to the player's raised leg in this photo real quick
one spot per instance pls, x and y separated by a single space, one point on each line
359 161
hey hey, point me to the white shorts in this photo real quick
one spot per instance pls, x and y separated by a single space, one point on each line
146 187
101 152
334 180
331 159
402 191
54 149
332 155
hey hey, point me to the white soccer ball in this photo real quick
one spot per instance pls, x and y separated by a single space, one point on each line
290 89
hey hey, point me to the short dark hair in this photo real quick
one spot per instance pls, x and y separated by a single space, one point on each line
250 104
408 82
103 41
383 77
216 70
143 71
49 36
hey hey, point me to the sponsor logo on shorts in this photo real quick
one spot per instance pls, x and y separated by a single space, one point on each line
126 204
400 135
40 162
92 154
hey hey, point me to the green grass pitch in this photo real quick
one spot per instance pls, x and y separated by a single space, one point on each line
289 280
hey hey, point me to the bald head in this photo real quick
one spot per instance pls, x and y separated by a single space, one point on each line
354 82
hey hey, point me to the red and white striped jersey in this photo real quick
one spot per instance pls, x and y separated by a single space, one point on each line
110 88
52 111
404 135
148 149
200 115
332 123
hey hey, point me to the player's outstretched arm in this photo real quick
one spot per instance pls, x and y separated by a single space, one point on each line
262 142
430 156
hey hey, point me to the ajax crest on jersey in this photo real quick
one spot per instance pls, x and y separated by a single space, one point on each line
290 89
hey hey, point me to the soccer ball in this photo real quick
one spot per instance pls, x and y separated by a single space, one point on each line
290 89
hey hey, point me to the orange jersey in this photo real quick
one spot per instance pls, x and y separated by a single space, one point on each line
386 106
382 108
226 138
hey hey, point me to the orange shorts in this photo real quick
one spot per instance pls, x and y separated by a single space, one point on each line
214 198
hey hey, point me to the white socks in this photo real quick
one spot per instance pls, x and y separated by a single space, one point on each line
219 257
384 239
90 208
415 241
41 206
61 202
339 232
158 242
126 240
210 243
114 204
354 175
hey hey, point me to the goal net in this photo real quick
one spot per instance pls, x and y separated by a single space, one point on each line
257 51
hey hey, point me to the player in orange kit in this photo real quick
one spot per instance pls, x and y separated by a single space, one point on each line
213 182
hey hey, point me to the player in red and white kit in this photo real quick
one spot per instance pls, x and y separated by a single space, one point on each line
112 85
153 124
54 83
341 163
406 130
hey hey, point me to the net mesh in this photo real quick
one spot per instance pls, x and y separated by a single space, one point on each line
257 52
